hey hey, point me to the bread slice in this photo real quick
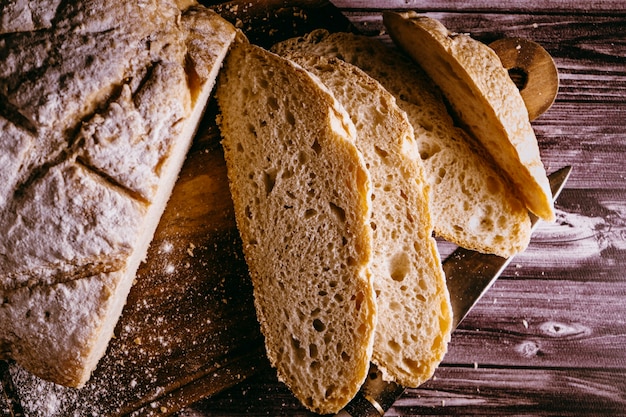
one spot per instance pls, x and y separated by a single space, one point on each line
97 114
414 312
483 97
471 203
301 194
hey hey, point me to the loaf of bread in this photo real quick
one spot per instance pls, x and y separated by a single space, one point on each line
414 312
97 111
471 202
483 97
302 198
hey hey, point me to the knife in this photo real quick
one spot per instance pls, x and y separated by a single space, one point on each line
377 396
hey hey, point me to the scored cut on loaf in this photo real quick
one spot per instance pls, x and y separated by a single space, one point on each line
472 204
97 112
301 194
484 98
414 312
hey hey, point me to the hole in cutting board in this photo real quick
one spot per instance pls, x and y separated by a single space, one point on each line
519 77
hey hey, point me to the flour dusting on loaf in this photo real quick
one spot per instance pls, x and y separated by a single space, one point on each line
97 111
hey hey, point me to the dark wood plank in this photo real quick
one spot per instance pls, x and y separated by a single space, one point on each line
481 6
586 243
545 324
588 136
522 392
463 391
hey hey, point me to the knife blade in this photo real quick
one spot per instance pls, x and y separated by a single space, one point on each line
469 275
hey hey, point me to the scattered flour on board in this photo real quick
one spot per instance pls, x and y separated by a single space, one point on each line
166 247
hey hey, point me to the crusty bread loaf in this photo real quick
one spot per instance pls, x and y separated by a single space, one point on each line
484 99
27 15
414 312
471 204
96 116
301 194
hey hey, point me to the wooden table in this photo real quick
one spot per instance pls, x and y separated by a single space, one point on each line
549 338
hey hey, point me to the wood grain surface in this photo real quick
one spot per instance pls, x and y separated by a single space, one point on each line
548 339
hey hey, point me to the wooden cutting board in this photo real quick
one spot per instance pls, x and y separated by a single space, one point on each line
189 328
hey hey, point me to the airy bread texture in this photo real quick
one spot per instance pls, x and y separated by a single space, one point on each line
97 113
483 97
302 200
471 203
414 312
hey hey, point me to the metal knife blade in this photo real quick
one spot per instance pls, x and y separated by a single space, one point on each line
469 275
